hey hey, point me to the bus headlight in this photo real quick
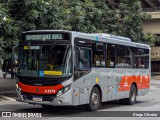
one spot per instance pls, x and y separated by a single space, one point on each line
17 86
63 90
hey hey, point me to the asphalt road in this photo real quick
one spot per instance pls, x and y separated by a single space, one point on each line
145 104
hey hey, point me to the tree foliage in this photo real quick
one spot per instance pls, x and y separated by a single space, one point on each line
130 20
77 15
8 31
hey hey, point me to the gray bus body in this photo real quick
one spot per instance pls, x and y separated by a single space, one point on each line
113 79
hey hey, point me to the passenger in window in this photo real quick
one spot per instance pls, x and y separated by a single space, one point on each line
122 63
80 64
96 60
138 63
87 63
83 60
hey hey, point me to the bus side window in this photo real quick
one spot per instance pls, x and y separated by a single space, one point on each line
110 56
120 57
98 57
139 58
146 58
83 62
128 57
84 58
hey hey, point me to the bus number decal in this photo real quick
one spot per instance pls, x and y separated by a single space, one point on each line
50 91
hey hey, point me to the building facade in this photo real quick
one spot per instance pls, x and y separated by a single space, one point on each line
152 7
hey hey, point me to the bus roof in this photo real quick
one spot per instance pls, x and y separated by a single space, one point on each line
109 38
101 37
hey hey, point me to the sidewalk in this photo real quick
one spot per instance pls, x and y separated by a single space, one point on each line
156 77
7 84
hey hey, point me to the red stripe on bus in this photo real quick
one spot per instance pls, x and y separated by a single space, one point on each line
40 89
142 82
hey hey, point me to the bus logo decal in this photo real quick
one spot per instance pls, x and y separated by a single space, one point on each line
96 38
37 90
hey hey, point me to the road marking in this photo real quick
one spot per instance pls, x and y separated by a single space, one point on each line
6 98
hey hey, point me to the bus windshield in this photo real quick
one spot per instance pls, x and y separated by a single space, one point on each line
45 61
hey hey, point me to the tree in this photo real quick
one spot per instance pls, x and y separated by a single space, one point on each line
127 21
8 31
77 15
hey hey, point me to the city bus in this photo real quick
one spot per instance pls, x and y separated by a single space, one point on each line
69 68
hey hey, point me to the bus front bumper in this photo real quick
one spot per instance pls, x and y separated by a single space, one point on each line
63 100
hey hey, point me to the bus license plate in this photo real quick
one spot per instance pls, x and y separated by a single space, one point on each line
36 98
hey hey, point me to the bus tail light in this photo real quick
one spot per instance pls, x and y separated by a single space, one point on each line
63 90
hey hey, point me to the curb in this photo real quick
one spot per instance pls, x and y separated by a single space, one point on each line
156 78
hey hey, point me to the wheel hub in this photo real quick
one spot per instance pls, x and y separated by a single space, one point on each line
94 99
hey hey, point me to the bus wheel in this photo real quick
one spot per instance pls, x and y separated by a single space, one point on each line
47 106
132 96
94 101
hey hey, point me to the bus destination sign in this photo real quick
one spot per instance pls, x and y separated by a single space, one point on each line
45 37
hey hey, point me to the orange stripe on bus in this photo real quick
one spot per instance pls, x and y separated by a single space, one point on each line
142 82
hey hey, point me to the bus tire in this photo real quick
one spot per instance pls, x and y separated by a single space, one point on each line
94 100
132 96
